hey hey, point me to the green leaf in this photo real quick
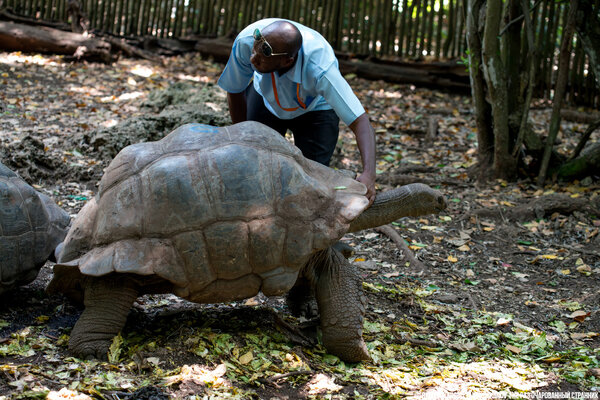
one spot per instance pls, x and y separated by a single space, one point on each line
114 351
560 326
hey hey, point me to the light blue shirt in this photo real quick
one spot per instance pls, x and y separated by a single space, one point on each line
322 86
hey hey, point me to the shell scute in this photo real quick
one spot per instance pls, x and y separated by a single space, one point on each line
178 202
227 245
267 238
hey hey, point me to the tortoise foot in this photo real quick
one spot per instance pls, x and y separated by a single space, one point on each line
90 350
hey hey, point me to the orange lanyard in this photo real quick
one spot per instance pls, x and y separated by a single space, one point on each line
277 95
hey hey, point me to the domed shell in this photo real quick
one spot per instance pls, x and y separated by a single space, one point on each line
31 226
222 213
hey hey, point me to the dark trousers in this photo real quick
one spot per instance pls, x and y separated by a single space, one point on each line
315 133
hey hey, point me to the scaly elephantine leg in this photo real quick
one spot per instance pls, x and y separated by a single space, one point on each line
341 305
107 303
301 300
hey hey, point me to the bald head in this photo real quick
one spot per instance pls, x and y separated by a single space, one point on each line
284 36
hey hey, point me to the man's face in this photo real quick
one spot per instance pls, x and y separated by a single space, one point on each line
264 64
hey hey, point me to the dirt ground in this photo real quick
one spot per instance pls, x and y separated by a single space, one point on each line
501 302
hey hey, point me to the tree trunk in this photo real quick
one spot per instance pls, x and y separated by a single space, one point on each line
560 88
483 116
511 44
530 78
588 30
505 165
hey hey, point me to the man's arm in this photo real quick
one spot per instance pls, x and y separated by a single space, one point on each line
237 106
365 138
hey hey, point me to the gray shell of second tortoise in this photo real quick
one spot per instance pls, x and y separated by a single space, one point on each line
31 226
220 213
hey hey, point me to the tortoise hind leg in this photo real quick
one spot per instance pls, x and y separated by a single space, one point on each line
107 303
341 305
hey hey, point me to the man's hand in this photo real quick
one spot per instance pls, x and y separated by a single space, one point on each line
237 106
365 138
369 181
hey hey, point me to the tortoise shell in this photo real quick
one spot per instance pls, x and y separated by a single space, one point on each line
31 226
220 213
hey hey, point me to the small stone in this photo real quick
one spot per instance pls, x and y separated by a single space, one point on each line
447 298
368 265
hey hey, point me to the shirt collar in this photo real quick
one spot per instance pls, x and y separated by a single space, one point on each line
295 73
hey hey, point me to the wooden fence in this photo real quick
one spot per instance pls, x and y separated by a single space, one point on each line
414 29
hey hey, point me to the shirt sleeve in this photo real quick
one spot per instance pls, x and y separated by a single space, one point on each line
238 72
339 95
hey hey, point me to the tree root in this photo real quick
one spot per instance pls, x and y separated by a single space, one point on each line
395 237
539 208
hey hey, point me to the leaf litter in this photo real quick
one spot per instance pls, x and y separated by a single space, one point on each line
504 308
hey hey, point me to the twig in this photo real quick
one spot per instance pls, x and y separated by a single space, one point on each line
582 251
472 301
427 317
397 239
586 136
292 332
514 21
432 129
278 377
402 338
50 336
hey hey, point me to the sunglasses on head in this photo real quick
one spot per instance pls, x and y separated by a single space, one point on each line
266 48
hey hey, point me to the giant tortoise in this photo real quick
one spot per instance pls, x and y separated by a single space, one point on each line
221 214
31 226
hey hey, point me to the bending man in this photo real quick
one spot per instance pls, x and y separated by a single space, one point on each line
297 85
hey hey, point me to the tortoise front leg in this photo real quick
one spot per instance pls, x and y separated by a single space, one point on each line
341 306
301 299
107 303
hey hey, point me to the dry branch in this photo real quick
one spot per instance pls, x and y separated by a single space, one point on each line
397 239
539 208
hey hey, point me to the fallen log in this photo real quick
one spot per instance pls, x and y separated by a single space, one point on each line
439 75
40 39
587 117
217 48
420 74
